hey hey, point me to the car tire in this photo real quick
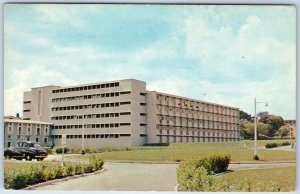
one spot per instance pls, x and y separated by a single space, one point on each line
28 157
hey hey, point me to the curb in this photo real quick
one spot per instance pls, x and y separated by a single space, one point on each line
32 187
142 162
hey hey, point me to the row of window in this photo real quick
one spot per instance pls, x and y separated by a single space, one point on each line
180 127
195 120
193 111
20 131
88 136
196 104
28 124
106 125
90 106
90 116
198 133
181 139
85 97
90 87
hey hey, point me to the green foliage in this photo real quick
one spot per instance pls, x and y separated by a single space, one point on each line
275 121
271 145
88 168
33 174
283 131
247 129
69 170
97 162
78 169
49 150
274 145
58 150
197 174
245 116
285 143
58 172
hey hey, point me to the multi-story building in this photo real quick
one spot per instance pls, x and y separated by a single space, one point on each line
179 119
124 113
16 129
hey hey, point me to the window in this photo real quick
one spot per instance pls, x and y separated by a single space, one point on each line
123 103
124 135
143 94
38 131
26 110
143 104
124 124
124 113
37 139
125 92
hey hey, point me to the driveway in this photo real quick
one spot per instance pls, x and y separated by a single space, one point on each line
123 177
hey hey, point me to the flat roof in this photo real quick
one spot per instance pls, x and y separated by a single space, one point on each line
26 121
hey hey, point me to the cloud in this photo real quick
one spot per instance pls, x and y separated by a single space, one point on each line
231 54
27 78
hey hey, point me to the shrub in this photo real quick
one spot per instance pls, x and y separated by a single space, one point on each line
88 168
49 174
96 162
78 169
49 150
69 169
271 145
36 174
58 172
58 150
196 174
286 143
18 181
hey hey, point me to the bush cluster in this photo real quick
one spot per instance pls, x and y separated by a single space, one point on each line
274 145
90 150
39 173
197 174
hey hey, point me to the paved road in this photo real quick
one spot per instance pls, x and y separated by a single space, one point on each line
138 177
123 177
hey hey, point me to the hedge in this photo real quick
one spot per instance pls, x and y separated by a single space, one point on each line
274 145
37 173
196 174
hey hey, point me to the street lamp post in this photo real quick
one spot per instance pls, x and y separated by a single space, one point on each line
82 139
255 156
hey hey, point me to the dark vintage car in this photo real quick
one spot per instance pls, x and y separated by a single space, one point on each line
26 150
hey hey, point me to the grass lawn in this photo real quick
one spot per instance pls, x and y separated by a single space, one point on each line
184 151
272 179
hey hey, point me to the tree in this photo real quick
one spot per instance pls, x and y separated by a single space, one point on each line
244 115
275 121
283 131
247 129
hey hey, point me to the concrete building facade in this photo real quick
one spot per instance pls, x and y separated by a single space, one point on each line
16 130
124 113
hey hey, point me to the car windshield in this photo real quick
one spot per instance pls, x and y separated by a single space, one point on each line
37 145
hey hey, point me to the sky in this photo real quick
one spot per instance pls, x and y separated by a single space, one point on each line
226 54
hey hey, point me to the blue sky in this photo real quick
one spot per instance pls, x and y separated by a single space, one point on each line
230 53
